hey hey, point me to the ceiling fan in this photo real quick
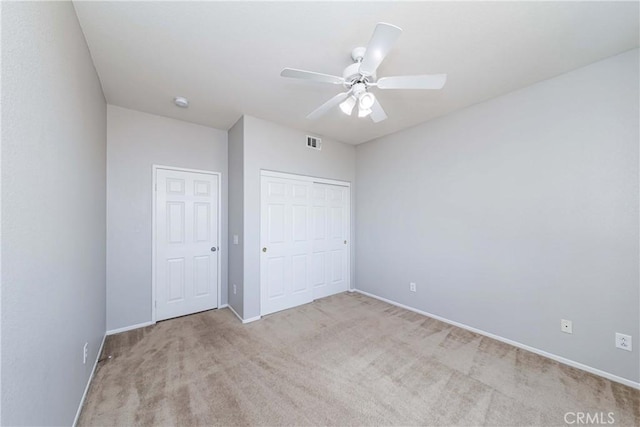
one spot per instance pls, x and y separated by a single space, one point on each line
359 77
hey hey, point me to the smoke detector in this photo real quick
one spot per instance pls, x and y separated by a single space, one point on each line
181 101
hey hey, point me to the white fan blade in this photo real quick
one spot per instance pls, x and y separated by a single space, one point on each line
310 75
384 36
433 81
328 105
377 113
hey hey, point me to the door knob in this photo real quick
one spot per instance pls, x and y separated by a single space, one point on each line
264 249
213 249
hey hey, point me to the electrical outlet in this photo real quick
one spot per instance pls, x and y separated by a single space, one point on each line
623 341
235 239
412 287
234 289
566 326
85 353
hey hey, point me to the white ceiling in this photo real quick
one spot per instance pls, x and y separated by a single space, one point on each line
226 57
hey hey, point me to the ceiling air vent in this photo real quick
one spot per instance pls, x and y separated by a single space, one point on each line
314 142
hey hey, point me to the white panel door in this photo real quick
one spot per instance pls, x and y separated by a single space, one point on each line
285 238
330 247
186 264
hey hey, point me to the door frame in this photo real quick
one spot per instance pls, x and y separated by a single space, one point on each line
312 179
154 185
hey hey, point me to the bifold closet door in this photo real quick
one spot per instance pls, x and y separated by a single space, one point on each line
330 245
285 229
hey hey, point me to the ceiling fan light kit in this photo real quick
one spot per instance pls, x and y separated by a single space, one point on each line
363 112
366 101
347 105
360 76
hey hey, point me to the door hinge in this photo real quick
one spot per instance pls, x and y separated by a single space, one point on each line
156 303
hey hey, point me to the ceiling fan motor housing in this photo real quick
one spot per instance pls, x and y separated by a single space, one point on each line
352 75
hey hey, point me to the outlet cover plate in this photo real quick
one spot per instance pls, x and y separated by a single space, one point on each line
623 341
412 286
566 326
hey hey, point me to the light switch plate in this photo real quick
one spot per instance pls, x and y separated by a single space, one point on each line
623 341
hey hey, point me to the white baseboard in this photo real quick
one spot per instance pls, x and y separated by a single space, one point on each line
252 319
86 389
143 324
129 328
552 356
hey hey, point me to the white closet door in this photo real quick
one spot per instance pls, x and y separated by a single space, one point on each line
186 263
330 248
285 237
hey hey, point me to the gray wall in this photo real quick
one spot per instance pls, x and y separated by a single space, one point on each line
236 216
136 141
273 147
53 213
515 213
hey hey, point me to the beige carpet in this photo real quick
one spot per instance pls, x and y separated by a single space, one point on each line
342 360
